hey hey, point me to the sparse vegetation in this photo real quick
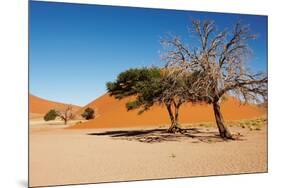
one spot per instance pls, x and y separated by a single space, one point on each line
88 113
65 113
51 115
78 122
251 124
173 155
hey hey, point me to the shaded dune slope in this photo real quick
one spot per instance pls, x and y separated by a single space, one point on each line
112 113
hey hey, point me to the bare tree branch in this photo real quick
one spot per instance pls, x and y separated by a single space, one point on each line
217 65
65 113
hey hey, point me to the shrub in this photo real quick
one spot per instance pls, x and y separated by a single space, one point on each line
51 115
78 122
89 113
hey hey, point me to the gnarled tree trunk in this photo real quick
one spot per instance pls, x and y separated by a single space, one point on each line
174 119
224 132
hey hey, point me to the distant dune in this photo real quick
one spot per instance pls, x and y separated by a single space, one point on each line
38 107
112 113
35 116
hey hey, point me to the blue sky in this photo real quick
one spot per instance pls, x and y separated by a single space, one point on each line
75 49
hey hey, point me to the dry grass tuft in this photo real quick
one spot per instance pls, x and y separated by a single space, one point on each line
251 124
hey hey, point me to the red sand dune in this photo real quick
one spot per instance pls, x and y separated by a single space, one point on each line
41 106
112 113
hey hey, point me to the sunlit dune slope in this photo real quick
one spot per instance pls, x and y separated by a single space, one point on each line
39 106
112 113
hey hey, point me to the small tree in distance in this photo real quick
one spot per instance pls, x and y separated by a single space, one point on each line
65 114
88 113
51 115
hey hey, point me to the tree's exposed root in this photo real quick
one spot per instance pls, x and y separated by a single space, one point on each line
176 129
227 136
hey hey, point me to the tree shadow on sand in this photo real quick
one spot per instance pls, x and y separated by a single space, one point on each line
195 135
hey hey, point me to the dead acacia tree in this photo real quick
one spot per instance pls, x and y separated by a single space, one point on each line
65 113
219 61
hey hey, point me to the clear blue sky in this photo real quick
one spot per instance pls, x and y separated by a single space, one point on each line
75 49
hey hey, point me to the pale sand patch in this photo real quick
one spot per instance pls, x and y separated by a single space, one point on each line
59 156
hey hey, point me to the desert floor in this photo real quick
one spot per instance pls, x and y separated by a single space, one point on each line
62 156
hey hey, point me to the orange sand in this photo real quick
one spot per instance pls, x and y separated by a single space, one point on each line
42 106
112 113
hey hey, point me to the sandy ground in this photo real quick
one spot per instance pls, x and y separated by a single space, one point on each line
62 156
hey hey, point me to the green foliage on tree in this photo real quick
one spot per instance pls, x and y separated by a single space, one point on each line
88 113
143 83
130 82
51 115
152 86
